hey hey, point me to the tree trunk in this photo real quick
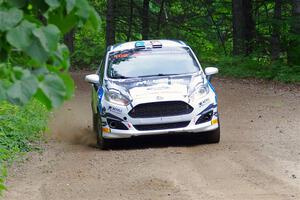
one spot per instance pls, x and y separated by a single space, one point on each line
243 27
145 20
69 40
294 45
250 26
209 4
275 38
159 18
110 23
130 17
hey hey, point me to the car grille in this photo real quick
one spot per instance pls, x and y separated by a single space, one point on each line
160 109
149 127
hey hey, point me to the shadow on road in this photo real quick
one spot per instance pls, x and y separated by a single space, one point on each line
157 141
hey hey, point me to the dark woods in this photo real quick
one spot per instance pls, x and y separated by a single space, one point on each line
265 31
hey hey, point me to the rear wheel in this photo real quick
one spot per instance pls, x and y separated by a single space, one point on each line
102 143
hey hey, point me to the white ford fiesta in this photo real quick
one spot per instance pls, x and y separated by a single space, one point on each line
153 87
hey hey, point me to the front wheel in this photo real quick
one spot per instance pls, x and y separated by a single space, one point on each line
102 143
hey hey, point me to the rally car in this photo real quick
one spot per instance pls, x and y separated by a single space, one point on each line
153 87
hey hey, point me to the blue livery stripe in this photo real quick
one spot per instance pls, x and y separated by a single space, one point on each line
208 108
100 95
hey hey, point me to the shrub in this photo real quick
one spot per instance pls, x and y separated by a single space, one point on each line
20 128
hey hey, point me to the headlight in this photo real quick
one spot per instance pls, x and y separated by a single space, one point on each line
115 96
199 92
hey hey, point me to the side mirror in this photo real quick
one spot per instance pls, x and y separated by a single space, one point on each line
209 71
92 78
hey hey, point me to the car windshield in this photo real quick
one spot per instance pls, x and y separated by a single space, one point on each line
151 62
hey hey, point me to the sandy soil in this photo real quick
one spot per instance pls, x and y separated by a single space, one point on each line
258 156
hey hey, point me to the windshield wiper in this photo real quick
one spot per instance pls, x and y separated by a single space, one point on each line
158 75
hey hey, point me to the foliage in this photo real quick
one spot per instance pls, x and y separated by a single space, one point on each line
33 61
20 127
241 67
90 47
206 26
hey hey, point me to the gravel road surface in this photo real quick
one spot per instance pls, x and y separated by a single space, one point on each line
258 156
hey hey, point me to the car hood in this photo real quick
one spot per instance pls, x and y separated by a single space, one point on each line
156 88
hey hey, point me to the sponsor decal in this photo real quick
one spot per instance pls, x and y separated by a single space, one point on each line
159 98
114 109
123 55
204 102
100 95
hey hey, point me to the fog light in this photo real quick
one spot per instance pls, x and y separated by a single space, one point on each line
214 121
205 117
114 124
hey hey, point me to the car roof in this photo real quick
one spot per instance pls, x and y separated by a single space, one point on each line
131 45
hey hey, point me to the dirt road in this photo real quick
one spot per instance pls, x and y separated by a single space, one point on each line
258 157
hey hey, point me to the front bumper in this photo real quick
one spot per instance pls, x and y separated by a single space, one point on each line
119 113
132 132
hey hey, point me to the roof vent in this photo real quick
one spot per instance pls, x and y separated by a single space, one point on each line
140 45
156 44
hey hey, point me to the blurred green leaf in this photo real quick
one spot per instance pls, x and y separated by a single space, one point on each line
53 89
22 90
64 22
41 97
10 18
62 57
17 3
2 92
94 20
37 51
53 3
48 37
69 83
70 5
21 36
83 9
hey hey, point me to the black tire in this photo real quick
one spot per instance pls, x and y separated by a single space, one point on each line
213 136
95 123
102 143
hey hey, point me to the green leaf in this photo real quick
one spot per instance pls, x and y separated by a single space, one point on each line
61 57
70 5
83 9
53 90
48 37
2 92
53 3
64 22
94 20
22 90
10 18
37 52
17 3
69 83
21 36
41 97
